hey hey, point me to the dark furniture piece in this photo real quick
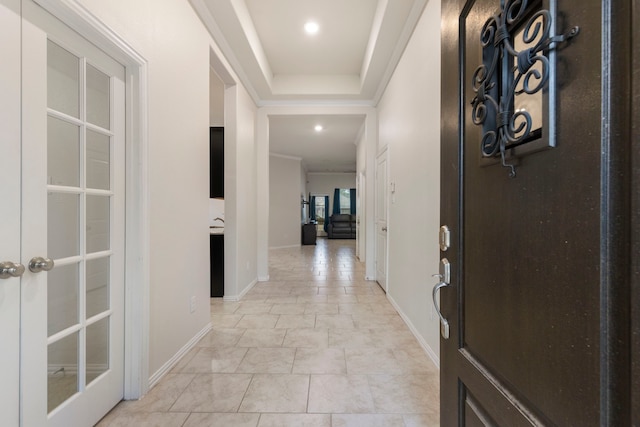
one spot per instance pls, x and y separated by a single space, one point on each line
216 162
216 255
308 234
342 226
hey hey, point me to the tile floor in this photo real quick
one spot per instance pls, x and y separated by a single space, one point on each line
316 346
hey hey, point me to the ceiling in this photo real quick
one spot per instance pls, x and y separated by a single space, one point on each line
347 62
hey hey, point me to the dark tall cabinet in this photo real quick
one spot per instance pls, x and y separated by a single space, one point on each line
216 247
216 162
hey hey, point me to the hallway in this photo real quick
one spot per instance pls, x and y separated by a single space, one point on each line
317 345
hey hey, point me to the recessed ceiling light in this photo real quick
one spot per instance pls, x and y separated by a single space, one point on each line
311 27
318 128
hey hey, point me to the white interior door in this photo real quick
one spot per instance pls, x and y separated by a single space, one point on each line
381 220
9 213
64 169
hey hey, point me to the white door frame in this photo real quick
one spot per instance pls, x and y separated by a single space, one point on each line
136 334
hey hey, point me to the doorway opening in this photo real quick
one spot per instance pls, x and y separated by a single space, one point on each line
320 210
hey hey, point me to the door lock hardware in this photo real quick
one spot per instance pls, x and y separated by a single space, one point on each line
38 264
444 279
445 238
10 269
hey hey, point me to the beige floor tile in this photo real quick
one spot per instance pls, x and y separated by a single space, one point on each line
332 299
383 308
276 393
321 308
258 321
222 420
185 360
161 397
218 306
295 420
340 394
225 320
313 299
350 338
373 299
305 291
355 308
422 420
347 359
367 420
334 321
267 361
375 320
290 299
215 360
262 338
291 308
392 338
331 291
307 338
405 394
290 321
414 360
226 337
372 361
146 419
319 361
253 307
213 393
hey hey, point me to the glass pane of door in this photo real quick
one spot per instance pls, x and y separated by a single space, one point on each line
79 169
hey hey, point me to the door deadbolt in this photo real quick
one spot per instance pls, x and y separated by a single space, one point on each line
445 238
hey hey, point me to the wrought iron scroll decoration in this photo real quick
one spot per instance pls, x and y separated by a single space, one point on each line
496 79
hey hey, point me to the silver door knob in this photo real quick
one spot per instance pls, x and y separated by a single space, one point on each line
9 269
38 264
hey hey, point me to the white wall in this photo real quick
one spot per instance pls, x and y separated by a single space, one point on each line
409 117
284 201
240 190
169 35
361 161
326 183
216 99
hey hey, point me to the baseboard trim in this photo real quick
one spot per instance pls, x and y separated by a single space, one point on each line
425 346
164 370
242 294
263 278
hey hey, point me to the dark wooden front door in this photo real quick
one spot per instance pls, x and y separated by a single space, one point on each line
539 295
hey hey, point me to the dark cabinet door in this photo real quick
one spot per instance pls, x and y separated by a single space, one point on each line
216 251
216 162
538 296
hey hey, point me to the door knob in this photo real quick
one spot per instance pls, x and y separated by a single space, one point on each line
38 264
9 269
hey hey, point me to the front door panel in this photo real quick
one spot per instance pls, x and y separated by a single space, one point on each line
525 300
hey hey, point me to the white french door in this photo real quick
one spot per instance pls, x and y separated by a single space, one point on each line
67 162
